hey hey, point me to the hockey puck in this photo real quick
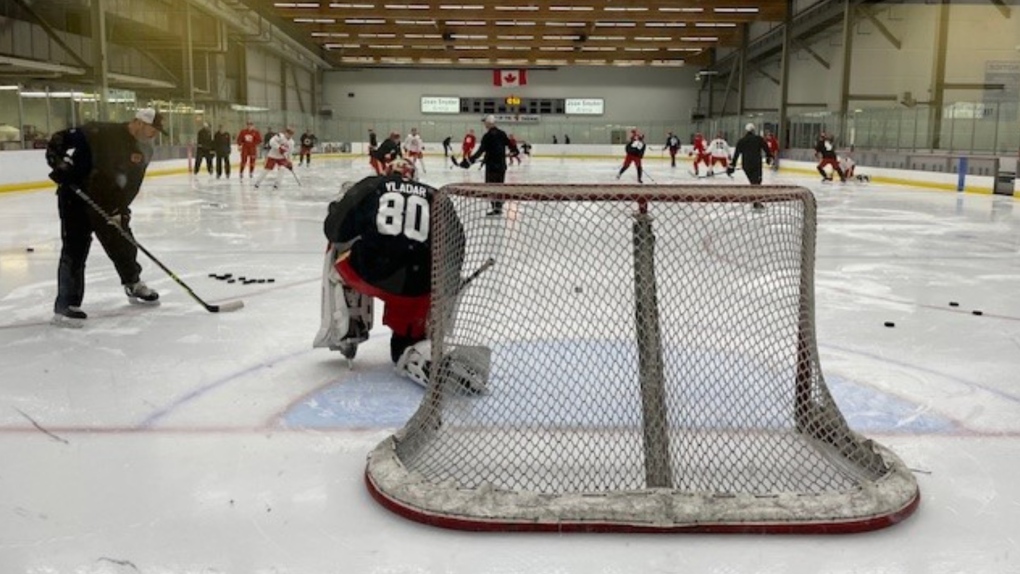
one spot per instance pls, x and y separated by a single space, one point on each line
231 280
242 278
30 249
262 281
954 304
227 275
270 280
976 312
890 324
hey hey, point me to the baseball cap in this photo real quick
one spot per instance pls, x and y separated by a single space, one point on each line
749 127
151 117
489 119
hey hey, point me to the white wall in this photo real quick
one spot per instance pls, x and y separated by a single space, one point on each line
631 94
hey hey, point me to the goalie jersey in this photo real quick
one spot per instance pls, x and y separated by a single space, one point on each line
383 225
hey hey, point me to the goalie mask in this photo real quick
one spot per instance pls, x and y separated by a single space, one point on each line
403 167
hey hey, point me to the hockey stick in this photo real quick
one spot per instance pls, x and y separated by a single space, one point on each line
296 178
467 280
230 306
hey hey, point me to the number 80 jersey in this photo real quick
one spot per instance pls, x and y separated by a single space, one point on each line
383 225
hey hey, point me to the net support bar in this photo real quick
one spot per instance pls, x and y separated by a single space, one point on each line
653 394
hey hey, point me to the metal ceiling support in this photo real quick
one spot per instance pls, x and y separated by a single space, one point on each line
881 27
938 75
284 46
188 57
53 33
784 78
771 78
729 86
848 48
40 66
1001 5
804 46
742 78
100 57
969 86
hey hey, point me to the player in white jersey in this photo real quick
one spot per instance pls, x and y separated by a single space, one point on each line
281 147
719 149
414 149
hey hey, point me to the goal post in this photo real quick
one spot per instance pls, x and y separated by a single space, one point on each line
651 366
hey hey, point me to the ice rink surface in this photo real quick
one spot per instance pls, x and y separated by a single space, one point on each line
173 440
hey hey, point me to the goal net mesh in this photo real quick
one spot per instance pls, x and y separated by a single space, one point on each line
650 364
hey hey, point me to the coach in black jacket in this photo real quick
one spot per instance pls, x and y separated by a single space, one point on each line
107 162
493 145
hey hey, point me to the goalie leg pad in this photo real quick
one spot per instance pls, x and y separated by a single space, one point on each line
466 368
347 315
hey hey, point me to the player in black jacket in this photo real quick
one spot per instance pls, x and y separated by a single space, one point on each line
107 161
204 149
380 236
387 151
493 145
221 144
752 147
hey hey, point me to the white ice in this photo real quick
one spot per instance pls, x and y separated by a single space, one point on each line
172 440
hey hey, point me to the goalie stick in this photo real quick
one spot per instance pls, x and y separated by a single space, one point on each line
467 280
225 307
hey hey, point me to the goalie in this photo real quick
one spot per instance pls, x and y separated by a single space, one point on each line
380 245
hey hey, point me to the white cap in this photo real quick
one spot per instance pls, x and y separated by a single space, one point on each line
489 119
151 117
749 127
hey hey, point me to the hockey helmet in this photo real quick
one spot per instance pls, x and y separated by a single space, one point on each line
403 167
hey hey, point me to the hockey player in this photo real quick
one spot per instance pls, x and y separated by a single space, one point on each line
635 150
513 150
719 149
380 244
281 147
414 149
387 151
700 152
849 167
307 141
773 144
221 145
825 152
248 141
673 145
204 149
467 147
107 162
447 147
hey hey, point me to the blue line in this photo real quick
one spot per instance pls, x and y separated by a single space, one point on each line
159 414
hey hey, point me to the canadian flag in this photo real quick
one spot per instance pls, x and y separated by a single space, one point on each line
509 78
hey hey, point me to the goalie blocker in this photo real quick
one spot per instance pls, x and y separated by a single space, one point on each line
380 246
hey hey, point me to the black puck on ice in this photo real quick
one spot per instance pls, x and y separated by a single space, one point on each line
977 312
30 249
214 275
231 280
227 275
890 324
270 280
954 304
262 281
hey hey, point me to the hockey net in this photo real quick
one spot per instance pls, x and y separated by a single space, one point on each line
652 366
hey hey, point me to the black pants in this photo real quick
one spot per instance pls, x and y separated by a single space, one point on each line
223 164
78 221
495 174
207 156
753 172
